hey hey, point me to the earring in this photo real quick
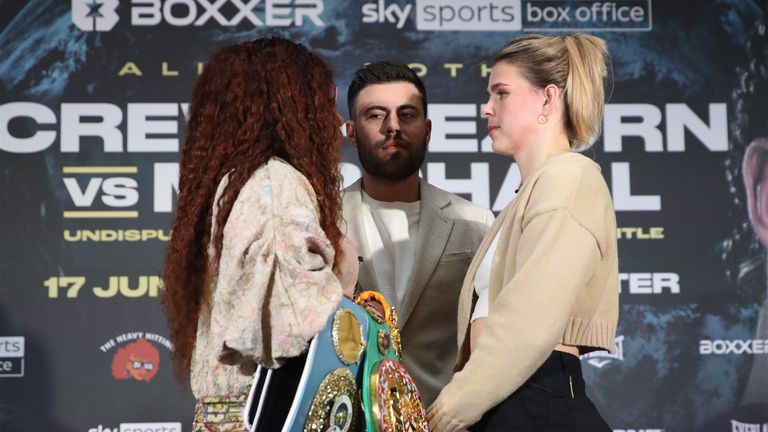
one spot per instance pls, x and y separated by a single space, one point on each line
541 119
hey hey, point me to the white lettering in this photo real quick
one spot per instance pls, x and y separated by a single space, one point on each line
141 126
733 346
211 11
649 283
150 427
120 192
180 21
680 117
79 197
73 127
615 129
246 11
442 127
166 186
313 12
182 13
476 185
148 15
274 11
39 141
381 13
623 200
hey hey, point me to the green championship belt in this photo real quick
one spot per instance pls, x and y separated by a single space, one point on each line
391 401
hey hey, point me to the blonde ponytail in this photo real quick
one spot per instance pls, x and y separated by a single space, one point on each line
584 88
575 63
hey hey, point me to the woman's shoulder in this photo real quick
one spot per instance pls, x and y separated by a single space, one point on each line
565 176
278 174
278 170
279 165
289 186
568 167
570 182
276 182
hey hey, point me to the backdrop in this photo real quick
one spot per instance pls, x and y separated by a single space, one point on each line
92 96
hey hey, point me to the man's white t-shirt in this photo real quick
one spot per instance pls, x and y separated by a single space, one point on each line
391 229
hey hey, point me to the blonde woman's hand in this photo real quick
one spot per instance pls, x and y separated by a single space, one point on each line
349 267
440 421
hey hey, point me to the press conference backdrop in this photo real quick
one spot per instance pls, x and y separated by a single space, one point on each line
92 102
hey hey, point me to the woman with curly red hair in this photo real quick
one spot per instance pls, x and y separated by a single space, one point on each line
257 262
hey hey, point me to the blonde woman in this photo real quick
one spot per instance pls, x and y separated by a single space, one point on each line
551 254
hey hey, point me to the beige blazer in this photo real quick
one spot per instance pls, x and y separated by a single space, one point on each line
450 231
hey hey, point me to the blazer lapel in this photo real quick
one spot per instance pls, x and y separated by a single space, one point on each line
434 231
355 229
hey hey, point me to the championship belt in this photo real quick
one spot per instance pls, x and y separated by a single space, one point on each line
391 401
352 379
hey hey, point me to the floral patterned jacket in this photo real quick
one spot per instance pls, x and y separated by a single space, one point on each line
275 288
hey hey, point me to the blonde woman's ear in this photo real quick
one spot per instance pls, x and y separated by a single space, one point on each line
551 94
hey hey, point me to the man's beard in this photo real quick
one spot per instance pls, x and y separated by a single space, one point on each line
397 166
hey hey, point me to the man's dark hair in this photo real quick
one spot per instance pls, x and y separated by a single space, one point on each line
383 72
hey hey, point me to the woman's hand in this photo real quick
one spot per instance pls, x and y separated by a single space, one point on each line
443 418
349 267
441 423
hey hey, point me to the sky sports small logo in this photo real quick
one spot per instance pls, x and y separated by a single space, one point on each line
513 15
139 427
11 356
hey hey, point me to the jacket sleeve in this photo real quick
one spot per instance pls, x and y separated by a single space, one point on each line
276 287
554 259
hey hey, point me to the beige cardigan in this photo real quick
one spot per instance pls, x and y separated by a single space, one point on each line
553 280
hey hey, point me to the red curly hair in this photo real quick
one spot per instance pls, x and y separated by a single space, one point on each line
270 97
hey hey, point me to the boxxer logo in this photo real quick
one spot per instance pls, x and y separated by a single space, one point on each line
182 13
733 346
95 15
101 15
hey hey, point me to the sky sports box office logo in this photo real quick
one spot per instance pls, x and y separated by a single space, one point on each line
513 15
